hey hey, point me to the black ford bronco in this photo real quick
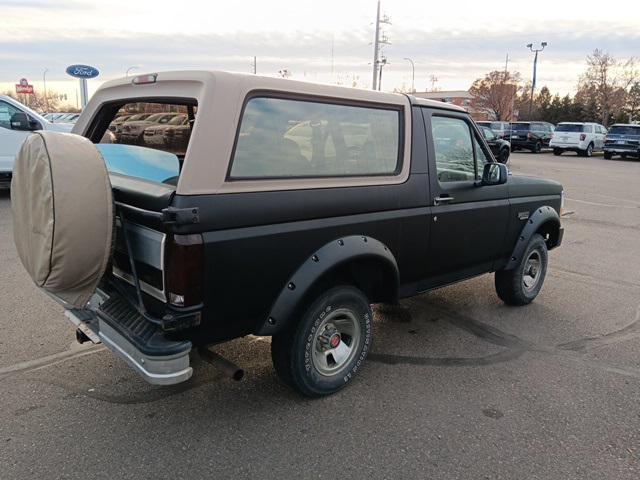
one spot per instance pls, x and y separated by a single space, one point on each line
284 210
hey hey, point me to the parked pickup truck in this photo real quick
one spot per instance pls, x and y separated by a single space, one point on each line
294 207
17 121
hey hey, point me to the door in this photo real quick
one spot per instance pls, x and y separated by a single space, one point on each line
599 137
10 140
469 221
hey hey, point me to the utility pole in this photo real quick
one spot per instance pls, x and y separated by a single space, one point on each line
44 80
378 42
254 65
506 66
535 66
333 37
413 75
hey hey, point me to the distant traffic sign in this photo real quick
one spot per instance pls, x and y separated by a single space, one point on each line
82 71
24 87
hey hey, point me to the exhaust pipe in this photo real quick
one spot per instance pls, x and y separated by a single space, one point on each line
228 368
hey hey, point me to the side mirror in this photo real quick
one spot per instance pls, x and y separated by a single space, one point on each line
20 121
494 174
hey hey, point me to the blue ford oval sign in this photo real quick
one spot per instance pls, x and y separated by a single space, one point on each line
82 71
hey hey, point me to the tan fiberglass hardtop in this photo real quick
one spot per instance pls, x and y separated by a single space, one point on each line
220 97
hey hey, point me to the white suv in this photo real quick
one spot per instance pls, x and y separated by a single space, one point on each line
580 137
17 121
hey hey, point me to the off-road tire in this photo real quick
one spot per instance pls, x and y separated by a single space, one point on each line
557 152
292 351
510 284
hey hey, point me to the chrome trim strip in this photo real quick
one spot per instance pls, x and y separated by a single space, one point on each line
144 286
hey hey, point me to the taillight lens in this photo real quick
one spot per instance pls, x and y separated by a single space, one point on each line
606 138
529 136
184 257
583 137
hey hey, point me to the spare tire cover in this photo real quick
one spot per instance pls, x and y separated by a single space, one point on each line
62 214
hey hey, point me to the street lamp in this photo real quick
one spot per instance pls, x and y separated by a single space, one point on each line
413 74
44 80
131 68
535 65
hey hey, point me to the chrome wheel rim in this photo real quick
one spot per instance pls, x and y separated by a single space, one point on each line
531 273
335 342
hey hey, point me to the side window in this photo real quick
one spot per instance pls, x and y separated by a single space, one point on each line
6 111
281 138
454 151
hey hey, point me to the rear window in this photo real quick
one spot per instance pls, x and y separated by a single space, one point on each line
625 130
521 126
148 140
570 127
496 125
281 138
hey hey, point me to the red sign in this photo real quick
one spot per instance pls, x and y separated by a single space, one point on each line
24 87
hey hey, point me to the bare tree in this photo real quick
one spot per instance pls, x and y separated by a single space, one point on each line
495 93
55 101
604 85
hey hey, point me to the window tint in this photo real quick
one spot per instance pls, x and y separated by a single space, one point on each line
488 134
625 130
6 111
295 138
569 127
454 150
520 126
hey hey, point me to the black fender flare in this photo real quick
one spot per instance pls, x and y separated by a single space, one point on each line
333 254
537 218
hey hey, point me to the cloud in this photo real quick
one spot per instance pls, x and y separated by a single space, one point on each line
455 55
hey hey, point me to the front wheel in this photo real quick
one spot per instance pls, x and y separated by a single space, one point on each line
324 349
537 147
503 156
588 152
521 285
557 152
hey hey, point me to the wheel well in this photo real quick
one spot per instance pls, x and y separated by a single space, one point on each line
550 231
376 278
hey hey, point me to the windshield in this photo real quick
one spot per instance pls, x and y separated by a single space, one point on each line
520 126
570 127
625 130
178 120
140 162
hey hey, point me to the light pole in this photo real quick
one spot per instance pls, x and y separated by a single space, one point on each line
535 66
44 80
126 74
413 74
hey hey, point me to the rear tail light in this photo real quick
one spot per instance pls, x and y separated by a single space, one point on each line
184 259
529 136
606 138
583 137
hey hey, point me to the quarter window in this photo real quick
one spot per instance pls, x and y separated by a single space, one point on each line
282 138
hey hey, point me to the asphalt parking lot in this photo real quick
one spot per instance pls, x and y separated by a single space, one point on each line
458 385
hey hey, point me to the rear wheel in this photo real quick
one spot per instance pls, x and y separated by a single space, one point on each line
608 155
521 285
557 152
321 352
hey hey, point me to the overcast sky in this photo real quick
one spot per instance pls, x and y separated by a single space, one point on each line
453 40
